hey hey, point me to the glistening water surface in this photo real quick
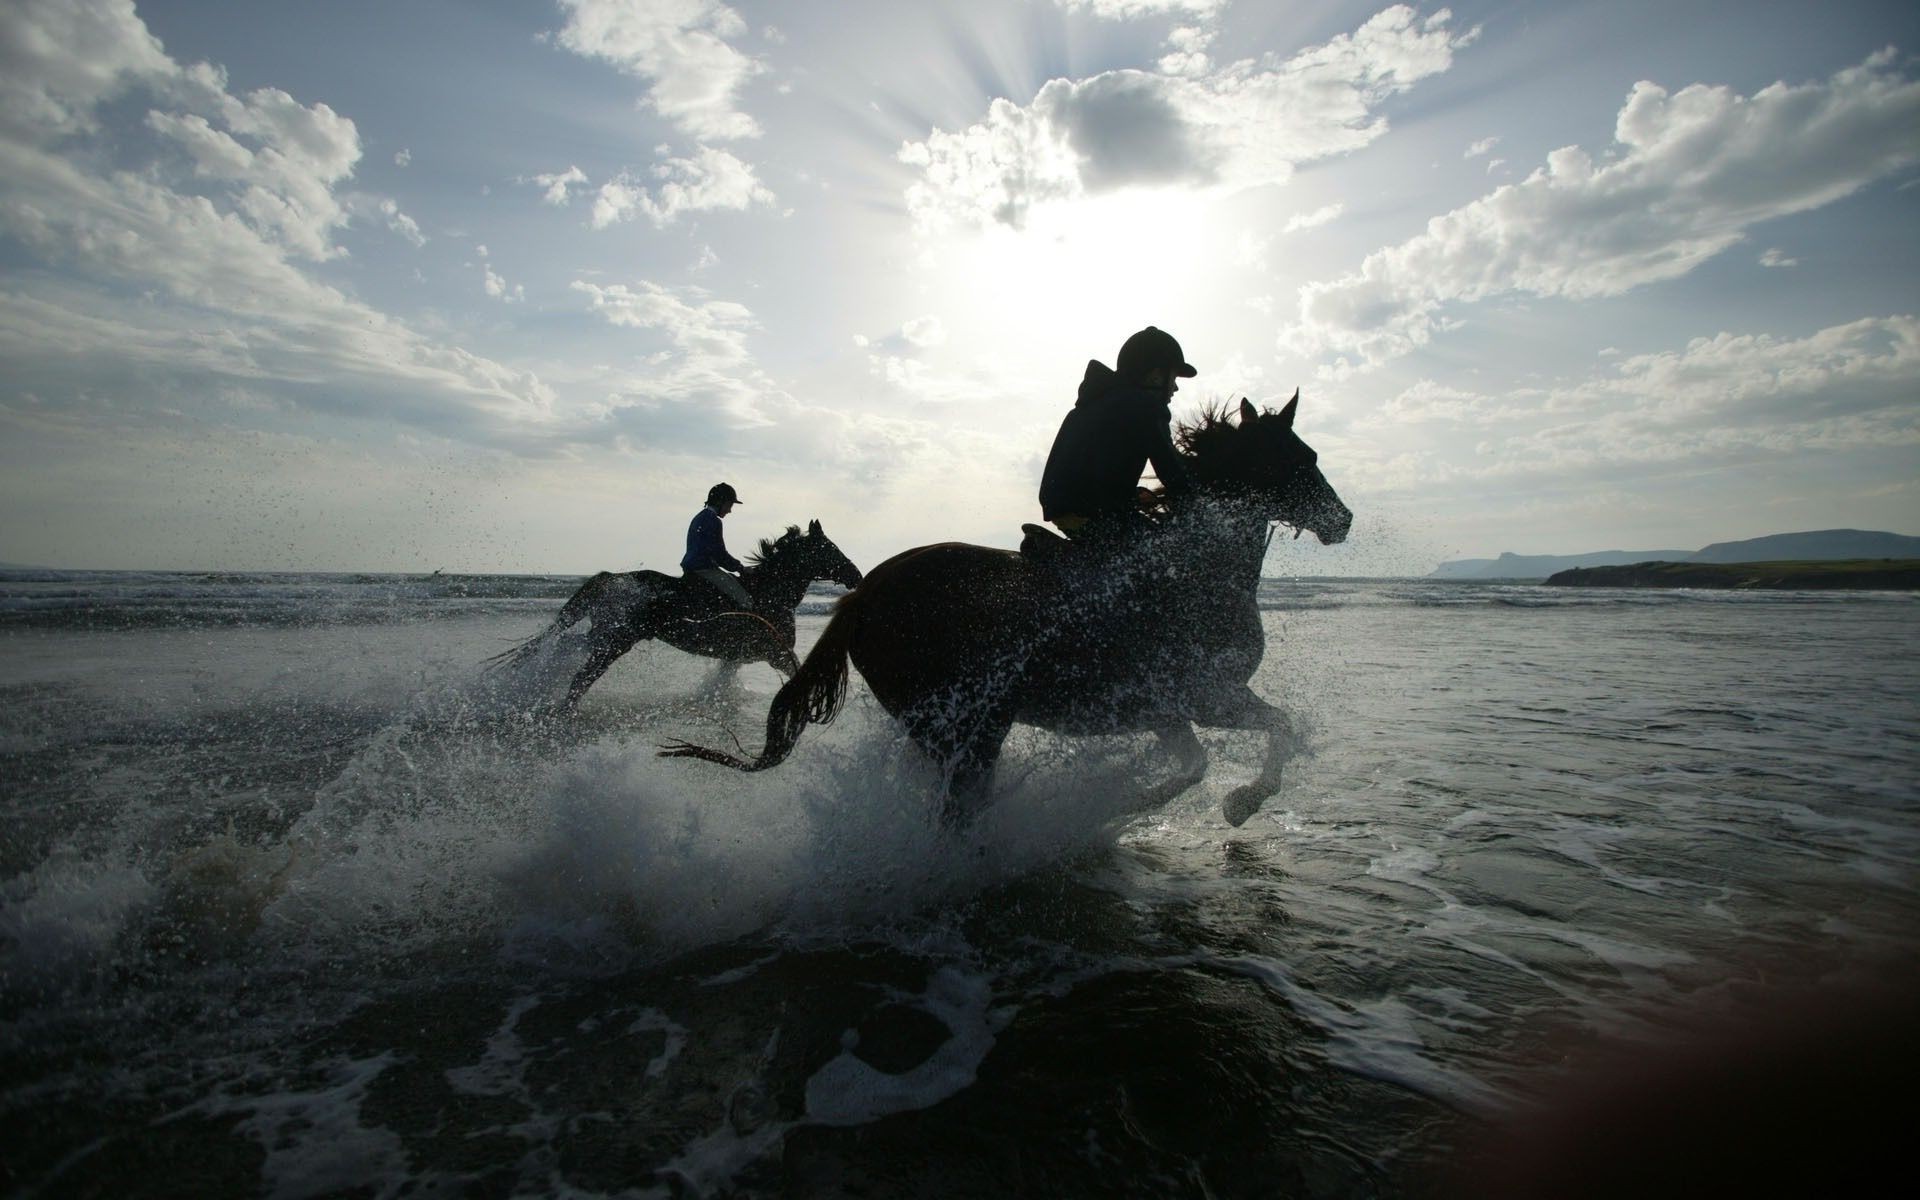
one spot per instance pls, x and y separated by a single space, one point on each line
295 900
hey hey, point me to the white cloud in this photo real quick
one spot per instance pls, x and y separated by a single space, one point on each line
680 47
712 332
924 332
403 158
387 211
1241 125
499 289
711 179
1726 398
1776 257
1319 216
1692 171
207 201
1127 10
1481 147
58 60
558 186
1187 52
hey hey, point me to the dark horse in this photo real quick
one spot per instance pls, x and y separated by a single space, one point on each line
958 642
693 615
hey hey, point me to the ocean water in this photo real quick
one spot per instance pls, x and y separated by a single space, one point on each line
297 900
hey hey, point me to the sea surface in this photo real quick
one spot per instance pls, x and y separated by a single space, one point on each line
297 899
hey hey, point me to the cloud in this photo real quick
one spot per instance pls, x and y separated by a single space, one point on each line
189 193
1776 257
1481 147
1721 399
1127 10
1241 125
58 61
703 391
711 179
387 211
1319 216
896 358
403 158
499 289
1690 173
680 48
557 186
711 332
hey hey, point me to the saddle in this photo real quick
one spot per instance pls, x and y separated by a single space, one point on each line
1045 547
695 600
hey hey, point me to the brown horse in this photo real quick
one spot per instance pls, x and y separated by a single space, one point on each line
692 615
1159 633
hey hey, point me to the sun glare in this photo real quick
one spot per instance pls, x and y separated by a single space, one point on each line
1085 272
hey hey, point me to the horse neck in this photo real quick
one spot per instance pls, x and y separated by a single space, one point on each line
1228 539
777 583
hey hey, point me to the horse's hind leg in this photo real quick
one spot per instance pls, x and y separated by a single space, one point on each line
605 650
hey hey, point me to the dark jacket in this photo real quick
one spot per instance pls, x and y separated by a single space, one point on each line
706 545
1104 444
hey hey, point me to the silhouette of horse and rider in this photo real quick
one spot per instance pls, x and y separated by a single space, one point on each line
1132 622
709 611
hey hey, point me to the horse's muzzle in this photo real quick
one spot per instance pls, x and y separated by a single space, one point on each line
1331 525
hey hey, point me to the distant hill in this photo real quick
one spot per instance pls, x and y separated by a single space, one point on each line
1857 574
1539 566
1820 545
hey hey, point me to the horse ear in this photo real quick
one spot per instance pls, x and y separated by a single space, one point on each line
1286 414
813 527
1247 412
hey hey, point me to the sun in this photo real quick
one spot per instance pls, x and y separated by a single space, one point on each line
1087 271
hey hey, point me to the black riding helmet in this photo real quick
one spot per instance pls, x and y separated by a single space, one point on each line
1152 347
722 493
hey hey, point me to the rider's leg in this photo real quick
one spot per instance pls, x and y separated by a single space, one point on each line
729 586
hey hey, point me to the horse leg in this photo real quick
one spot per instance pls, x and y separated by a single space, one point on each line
1190 762
965 748
1254 713
605 649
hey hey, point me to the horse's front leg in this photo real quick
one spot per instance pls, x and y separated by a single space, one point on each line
1189 761
1248 711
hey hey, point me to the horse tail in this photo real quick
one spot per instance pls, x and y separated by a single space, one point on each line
577 607
812 697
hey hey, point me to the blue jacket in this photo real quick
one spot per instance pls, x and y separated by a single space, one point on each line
706 545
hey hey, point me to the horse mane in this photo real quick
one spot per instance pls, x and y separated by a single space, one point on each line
770 547
1205 439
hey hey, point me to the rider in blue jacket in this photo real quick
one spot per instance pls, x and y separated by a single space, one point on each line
706 557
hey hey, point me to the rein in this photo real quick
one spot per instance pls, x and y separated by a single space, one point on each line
771 631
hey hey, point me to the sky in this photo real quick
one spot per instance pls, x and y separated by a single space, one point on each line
506 285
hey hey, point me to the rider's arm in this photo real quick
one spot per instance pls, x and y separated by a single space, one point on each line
1168 466
720 554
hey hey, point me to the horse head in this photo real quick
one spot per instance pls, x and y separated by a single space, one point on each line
1263 460
825 560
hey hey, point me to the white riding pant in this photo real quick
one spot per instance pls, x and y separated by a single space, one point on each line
727 583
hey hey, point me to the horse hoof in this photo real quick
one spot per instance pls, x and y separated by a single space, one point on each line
1240 804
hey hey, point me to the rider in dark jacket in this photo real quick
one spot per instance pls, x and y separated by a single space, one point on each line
1121 422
